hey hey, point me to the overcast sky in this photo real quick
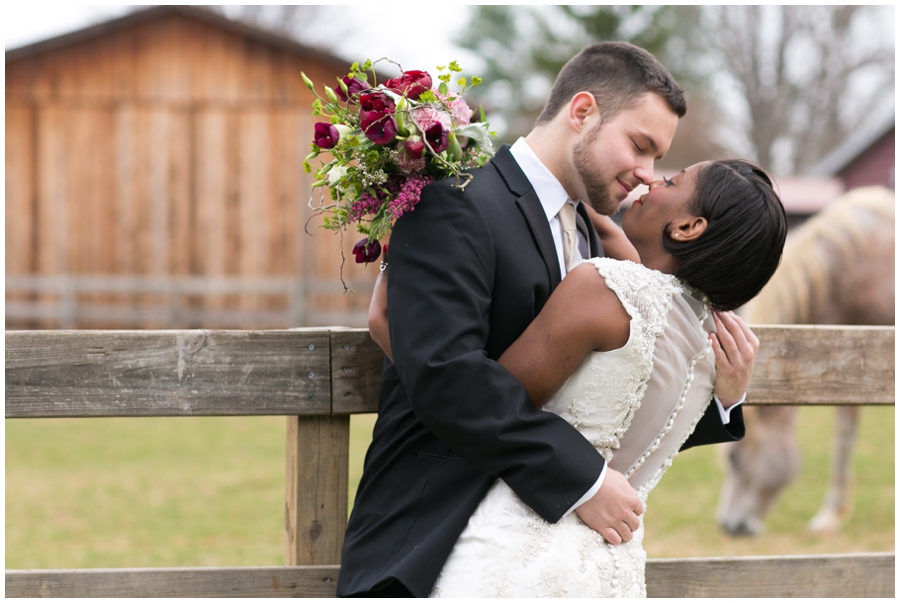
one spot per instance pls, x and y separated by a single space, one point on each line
423 42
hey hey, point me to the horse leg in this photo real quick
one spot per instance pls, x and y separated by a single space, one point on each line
836 503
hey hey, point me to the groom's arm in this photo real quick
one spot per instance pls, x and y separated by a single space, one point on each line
440 285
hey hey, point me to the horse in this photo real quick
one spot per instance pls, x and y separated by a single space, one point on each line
837 268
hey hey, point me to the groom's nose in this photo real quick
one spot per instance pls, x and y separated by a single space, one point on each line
644 170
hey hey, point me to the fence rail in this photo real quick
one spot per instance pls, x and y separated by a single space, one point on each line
813 576
317 378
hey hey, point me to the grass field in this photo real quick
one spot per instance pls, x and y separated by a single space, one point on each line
210 492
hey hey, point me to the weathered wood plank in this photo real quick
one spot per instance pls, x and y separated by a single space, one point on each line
316 473
356 364
852 575
167 373
811 364
319 581
174 373
797 364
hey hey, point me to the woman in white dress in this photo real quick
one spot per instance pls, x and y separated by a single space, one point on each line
623 351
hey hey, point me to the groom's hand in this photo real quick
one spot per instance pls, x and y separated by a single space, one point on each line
614 511
735 347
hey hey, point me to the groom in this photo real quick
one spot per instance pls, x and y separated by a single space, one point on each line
469 271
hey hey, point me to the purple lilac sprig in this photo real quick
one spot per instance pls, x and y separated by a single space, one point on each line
409 195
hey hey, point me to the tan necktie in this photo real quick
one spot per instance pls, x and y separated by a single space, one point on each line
566 217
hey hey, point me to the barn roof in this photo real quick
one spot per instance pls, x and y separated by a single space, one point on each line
156 12
854 146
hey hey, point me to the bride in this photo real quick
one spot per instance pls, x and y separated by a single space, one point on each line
623 351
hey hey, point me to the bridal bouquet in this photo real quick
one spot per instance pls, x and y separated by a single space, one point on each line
388 141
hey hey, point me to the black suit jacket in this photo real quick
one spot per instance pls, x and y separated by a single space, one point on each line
469 270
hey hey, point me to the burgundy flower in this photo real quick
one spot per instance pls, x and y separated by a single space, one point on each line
376 117
411 83
325 135
437 138
366 252
380 128
354 87
414 147
375 101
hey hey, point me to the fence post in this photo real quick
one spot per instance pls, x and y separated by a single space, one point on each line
315 513
316 466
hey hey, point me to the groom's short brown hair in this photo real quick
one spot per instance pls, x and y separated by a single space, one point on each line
618 74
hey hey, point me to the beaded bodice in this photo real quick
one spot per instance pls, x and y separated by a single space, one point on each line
652 376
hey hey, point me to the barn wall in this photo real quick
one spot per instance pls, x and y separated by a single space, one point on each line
171 148
873 167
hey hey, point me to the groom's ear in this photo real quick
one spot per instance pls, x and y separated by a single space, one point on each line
582 109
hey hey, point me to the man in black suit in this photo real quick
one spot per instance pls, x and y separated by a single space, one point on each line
469 270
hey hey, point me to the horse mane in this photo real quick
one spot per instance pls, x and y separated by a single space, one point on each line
829 242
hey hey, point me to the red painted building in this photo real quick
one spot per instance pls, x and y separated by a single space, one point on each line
865 159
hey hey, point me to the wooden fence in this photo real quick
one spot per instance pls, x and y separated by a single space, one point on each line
317 378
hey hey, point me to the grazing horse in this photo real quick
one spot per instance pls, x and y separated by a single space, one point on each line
838 268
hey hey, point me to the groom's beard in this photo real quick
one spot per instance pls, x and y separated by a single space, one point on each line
599 194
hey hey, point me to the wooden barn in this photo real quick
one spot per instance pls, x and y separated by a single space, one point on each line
865 159
154 179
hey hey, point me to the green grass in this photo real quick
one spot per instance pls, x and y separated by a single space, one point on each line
144 492
681 510
210 492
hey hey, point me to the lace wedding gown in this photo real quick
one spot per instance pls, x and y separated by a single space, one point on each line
637 405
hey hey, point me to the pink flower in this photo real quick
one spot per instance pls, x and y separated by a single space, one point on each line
435 124
460 113
426 116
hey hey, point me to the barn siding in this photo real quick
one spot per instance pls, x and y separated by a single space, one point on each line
170 148
873 167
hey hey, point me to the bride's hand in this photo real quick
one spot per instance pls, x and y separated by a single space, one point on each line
614 511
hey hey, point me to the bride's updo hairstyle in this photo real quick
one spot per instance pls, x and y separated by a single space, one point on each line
746 227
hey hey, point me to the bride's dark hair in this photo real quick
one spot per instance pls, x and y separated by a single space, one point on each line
741 248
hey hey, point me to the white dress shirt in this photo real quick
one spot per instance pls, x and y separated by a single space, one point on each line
552 196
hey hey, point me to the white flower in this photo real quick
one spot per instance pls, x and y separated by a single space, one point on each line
335 174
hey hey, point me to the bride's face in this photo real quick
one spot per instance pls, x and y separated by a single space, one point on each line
665 203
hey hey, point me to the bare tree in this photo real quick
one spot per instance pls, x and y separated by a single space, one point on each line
808 75
288 20
783 85
524 47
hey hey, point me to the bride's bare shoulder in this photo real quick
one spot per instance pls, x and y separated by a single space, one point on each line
590 307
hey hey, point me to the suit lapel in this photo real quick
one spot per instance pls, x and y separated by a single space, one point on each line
540 229
531 208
